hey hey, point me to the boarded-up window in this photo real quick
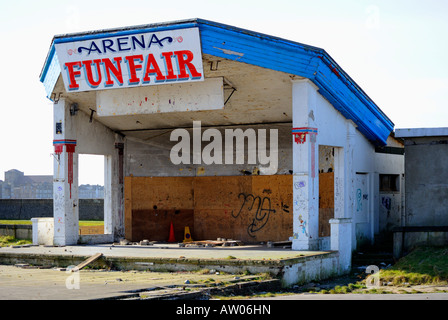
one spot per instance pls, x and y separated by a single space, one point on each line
389 182
326 202
246 208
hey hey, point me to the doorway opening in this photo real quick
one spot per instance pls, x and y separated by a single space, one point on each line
91 193
326 189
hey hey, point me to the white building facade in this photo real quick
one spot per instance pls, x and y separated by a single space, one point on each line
123 93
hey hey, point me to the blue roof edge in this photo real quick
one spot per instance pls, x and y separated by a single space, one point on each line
304 60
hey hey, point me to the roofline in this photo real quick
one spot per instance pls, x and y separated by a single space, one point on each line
421 132
177 24
323 78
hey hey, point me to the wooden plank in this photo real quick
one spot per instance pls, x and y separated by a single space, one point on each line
87 262
128 207
91 230
326 203
215 243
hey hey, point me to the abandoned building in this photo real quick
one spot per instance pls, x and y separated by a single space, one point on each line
228 132
425 219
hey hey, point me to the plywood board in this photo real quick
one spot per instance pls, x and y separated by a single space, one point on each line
162 193
326 203
155 225
246 208
153 203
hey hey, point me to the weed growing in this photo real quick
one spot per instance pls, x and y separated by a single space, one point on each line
6 241
423 266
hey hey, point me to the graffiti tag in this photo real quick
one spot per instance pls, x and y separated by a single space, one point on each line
259 207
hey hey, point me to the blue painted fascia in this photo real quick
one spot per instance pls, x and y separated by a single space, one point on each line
273 53
302 60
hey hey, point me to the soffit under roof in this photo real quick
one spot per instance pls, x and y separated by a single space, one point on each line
256 95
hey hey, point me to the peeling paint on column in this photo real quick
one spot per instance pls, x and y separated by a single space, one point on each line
70 149
300 134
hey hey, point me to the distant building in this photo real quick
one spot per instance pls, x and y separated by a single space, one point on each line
5 190
87 191
17 185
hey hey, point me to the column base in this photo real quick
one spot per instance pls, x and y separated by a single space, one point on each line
341 240
305 245
65 238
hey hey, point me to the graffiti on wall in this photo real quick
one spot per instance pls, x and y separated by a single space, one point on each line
358 200
302 225
259 208
386 202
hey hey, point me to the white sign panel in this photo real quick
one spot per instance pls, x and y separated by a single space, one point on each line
179 97
131 60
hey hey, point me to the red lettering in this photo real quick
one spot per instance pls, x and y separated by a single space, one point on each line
186 62
88 67
169 66
115 70
133 79
72 74
152 62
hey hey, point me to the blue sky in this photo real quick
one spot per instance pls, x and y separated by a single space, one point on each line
395 50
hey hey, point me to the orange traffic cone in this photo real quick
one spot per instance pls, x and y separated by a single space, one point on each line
171 238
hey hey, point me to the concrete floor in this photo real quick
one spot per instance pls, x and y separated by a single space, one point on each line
51 284
18 283
167 250
25 283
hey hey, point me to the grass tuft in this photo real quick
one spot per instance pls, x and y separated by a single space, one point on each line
6 241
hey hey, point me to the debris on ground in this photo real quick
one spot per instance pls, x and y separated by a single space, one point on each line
87 262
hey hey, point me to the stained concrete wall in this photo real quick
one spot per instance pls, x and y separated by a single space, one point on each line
150 157
17 231
408 238
389 207
25 209
426 169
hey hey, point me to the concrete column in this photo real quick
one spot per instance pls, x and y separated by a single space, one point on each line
350 174
65 177
341 234
305 167
118 188
108 202
339 183
350 177
114 191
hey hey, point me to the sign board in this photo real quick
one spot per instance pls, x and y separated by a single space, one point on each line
177 97
131 60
